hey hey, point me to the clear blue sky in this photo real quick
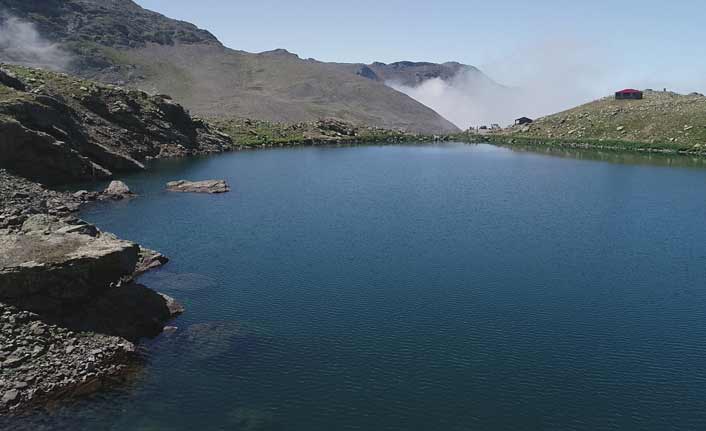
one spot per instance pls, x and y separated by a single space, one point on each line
651 40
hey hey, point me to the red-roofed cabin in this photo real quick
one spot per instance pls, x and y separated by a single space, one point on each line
628 94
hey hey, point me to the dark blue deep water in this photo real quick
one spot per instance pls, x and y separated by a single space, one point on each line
424 287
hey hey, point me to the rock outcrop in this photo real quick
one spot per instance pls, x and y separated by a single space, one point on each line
8 79
149 260
56 272
117 190
207 186
40 156
57 129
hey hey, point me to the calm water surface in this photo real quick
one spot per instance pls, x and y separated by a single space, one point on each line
439 287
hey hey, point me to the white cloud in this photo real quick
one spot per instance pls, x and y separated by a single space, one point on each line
21 43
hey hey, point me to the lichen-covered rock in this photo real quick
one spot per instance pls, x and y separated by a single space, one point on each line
207 186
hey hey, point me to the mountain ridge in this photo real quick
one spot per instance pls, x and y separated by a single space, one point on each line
117 41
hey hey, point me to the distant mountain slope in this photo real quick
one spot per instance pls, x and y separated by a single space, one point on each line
119 42
412 74
459 92
661 120
278 86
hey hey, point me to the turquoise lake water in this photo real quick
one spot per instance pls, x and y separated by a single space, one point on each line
420 287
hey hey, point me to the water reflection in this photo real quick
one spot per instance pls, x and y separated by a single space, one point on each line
621 157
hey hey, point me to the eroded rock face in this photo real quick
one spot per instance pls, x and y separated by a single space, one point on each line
207 186
51 273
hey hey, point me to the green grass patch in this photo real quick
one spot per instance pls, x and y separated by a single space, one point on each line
249 133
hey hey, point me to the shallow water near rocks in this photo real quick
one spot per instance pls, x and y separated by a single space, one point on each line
421 287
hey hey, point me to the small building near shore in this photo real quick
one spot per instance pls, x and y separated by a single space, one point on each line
628 94
523 120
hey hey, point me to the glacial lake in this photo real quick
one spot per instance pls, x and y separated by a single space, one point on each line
418 287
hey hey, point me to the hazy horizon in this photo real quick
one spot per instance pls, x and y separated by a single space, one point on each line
563 54
649 37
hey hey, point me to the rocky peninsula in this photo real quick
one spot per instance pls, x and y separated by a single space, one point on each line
71 310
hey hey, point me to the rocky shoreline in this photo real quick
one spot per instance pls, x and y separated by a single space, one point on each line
70 310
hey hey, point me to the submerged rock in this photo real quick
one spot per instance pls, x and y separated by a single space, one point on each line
217 341
207 186
251 419
182 282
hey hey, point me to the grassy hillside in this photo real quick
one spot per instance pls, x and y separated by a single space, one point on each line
248 133
116 41
662 121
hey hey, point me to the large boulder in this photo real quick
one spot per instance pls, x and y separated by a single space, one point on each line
52 273
117 190
207 186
